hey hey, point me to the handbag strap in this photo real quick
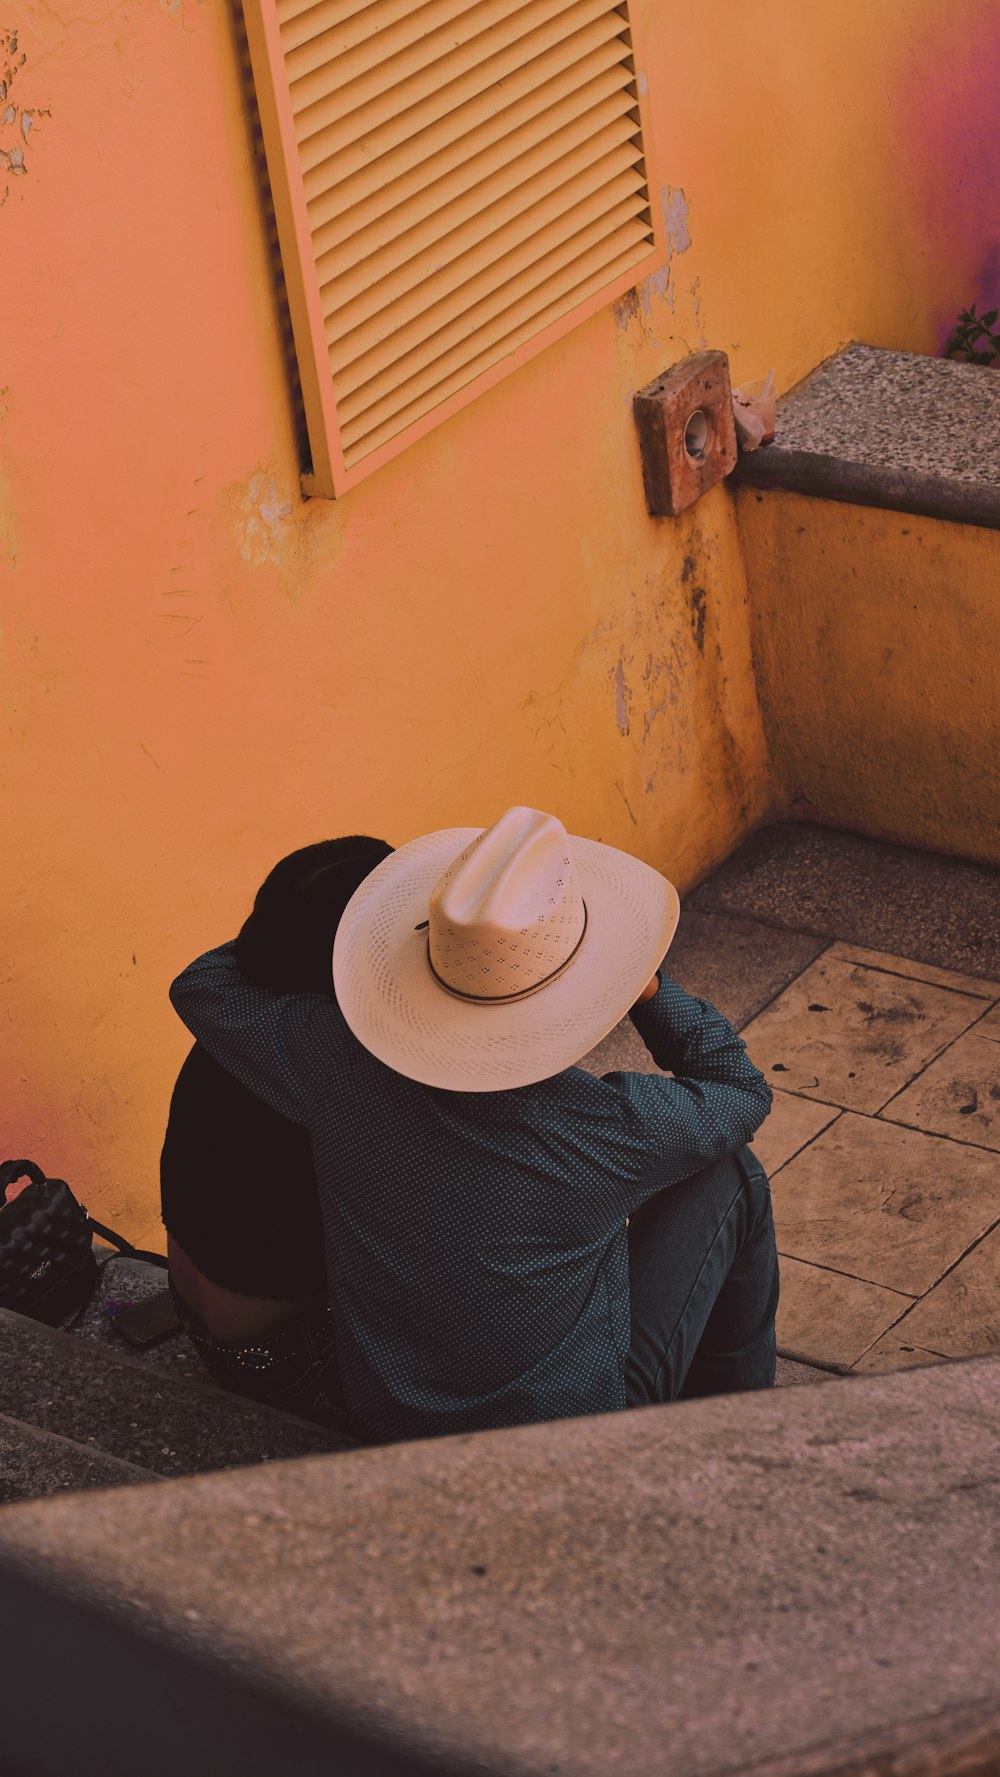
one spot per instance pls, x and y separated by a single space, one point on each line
11 1170
124 1246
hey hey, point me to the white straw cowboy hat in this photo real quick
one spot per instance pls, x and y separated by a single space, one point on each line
479 960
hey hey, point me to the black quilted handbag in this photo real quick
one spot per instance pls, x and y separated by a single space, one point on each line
47 1265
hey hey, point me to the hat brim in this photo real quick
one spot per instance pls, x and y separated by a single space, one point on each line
400 1012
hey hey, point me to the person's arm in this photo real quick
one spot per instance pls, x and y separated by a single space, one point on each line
277 1044
713 1106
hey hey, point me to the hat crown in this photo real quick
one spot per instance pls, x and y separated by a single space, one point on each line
507 915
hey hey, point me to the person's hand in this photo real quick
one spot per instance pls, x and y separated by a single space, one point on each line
649 990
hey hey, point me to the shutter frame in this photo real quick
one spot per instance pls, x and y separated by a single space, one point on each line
335 472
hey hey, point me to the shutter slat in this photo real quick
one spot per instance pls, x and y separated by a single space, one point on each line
288 11
358 357
411 168
363 441
455 182
324 132
450 232
356 23
494 316
400 53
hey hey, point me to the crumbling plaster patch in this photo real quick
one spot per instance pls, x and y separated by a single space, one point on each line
272 526
638 302
263 525
623 697
176 9
17 120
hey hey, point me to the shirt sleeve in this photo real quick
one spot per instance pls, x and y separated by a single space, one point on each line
713 1105
277 1044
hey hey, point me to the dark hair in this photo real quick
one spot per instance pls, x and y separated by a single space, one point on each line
287 942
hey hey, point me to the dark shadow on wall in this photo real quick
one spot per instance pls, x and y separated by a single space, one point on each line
283 318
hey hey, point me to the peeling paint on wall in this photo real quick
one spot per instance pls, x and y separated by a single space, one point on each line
17 121
654 671
697 604
628 307
638 302
695 291
698 613
674 205
675 219
623 697
263 528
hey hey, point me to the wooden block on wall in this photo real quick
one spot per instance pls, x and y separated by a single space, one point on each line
686 432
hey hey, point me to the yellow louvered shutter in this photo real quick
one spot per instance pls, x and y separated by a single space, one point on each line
456 183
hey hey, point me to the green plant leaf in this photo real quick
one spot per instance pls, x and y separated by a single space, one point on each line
972 330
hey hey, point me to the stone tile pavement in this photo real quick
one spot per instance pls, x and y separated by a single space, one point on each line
887 1205
883 1146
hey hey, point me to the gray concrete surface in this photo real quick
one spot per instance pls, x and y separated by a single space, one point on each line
697 1589
892 429
117 1406
34 1463
902 409
885 897
121 1283
792 1372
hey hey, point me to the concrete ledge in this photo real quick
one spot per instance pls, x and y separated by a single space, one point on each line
803 1582
122 1409
858 484
34 1463
890 429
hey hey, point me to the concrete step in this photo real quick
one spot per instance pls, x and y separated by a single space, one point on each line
109 1406
35 1463
804 1583
899 430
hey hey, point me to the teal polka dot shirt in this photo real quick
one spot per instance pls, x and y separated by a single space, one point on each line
476 1247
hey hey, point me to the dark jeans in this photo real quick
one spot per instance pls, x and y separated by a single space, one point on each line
703 1274
293 1368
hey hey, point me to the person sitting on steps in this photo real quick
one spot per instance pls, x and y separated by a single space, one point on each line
238 1189
510 1239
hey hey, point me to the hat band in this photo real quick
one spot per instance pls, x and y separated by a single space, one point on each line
523 993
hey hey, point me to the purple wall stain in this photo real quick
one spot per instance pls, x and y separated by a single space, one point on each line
950 154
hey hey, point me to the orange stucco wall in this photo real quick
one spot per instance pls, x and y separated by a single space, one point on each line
201 670
877 679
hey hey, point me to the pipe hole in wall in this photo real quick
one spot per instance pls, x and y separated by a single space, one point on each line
696 434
